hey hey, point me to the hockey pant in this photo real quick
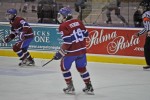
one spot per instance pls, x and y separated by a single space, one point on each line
21 49
147 50
80 63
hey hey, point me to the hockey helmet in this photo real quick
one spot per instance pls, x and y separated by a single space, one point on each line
11 13
64 13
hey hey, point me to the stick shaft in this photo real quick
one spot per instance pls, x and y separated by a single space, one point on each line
97 17
47 62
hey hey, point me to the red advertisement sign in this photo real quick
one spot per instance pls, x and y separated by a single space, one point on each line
115 42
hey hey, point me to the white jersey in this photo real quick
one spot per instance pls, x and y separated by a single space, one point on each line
146 22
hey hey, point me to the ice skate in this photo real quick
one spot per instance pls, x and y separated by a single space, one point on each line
30 62
27 62
146 67
88 89
23 63
109 22
69 89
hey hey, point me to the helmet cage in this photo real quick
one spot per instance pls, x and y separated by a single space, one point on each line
60 18
64 14
9 16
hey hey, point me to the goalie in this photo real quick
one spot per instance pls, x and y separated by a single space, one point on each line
20 28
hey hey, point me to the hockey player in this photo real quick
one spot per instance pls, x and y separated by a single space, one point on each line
73 49
145 8
113 5
84 8
20 28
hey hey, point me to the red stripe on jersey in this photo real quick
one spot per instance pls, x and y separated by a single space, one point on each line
146 19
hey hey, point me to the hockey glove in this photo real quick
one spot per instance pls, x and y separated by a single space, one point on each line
148 33
136 35
59 54
6 40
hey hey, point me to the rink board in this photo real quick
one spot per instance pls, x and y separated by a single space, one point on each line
104 44
90 57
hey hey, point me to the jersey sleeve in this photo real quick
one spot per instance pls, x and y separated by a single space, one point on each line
146 22
65 37
13 32
25 26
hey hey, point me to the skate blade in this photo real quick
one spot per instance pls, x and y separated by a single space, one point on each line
89 93
22 65
27 66
30 65
146 68
70 93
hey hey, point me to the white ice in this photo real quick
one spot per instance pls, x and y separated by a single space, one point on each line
110 81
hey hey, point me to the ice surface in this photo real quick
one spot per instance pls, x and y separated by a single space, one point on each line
110 81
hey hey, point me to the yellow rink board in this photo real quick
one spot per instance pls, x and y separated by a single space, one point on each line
90 57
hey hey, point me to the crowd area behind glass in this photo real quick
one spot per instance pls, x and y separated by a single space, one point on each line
113 13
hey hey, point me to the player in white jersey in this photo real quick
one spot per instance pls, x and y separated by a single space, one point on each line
145 8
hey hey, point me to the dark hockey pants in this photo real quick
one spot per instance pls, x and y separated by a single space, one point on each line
147 50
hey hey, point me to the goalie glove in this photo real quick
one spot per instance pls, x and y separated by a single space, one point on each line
59 54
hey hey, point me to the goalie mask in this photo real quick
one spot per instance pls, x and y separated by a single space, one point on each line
64 14
11 14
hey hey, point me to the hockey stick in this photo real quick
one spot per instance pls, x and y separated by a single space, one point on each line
97 18
47 62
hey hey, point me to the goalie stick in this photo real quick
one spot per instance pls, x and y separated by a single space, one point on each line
47 62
